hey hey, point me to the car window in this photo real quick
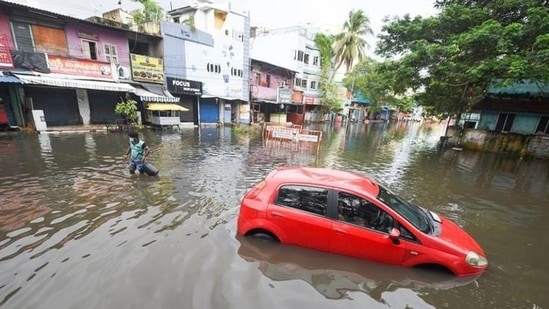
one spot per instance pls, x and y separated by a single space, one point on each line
311 199
358 211
409 211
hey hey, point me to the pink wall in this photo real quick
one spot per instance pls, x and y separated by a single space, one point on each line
113 37
267 93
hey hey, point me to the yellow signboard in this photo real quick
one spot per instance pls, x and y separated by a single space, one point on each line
147 69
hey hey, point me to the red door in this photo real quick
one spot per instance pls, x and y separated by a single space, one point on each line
365 243
301 227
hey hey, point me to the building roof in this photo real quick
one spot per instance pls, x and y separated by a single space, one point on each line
523 88
99 22
360 98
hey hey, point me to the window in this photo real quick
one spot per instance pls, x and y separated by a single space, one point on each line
310 199
505 122
543 126
89 49
304 83
297 82
313 84
111 54
257 79
306 58
268 80
213 68
315 60
236 72
22 35
176 20
412 213
357 211
298 55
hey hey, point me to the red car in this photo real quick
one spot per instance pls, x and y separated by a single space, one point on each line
348 213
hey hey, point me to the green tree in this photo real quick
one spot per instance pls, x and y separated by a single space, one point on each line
328 89
152 12
349 45
452 57
127 109
370 78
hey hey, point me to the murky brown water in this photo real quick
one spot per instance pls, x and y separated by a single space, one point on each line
77 231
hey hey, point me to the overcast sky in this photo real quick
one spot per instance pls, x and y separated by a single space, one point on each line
328 15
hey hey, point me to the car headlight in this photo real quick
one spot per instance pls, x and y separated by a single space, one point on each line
475 259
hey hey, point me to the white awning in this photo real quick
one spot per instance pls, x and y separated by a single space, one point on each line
157 89
75 83
147 96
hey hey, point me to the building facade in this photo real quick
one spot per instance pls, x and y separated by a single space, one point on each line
293 48
211 44
72 71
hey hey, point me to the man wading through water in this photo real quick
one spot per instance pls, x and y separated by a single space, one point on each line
137 152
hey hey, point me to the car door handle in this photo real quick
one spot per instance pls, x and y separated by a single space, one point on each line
277 214
340 231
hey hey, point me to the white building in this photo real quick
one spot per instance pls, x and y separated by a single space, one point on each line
209 42
293 48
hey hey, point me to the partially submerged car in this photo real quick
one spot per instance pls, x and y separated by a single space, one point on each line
351 214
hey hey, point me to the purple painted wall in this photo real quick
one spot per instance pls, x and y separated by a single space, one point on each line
104 36
263 92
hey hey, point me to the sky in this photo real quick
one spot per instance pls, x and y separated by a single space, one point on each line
265 13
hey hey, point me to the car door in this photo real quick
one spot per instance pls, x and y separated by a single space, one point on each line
299 212
362 230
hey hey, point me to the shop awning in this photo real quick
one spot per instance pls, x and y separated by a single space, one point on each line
147 96
9 79
166 107
157 89
75 83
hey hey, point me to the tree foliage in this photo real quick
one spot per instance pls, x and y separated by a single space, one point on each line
152 12
328 89
452 57
127 108
370 79
349 45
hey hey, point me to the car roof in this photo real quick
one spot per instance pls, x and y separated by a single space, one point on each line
325 177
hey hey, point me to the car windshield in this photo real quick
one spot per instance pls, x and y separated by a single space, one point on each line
409 211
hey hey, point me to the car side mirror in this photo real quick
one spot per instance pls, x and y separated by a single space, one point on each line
394 236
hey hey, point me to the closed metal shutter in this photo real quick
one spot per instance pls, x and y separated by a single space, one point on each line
60 106
209 111
191 115
102 104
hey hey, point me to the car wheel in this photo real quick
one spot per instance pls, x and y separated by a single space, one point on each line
264 236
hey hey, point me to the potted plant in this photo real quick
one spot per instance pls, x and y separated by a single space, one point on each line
127 109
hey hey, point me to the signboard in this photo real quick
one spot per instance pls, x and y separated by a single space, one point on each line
284 96
310 100
5 56
147 69
183 86
80 67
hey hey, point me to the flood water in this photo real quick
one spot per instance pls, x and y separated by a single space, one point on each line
78 231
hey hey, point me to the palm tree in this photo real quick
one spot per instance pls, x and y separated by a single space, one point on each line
350 43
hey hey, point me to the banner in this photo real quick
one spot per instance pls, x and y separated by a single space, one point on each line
147 69
80 67
5 55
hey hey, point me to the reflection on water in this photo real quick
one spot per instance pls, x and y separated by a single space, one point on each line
336 276
74 222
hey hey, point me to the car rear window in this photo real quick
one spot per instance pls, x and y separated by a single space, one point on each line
311 199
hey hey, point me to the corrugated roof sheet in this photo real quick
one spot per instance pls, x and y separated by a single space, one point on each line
520 88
